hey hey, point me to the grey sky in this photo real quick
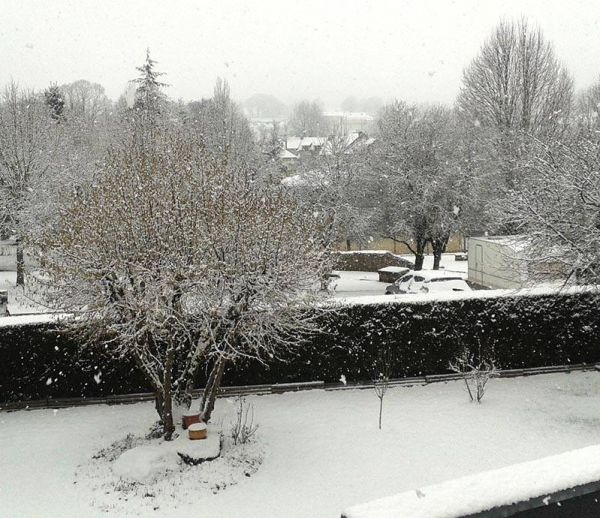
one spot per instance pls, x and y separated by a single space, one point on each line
412 50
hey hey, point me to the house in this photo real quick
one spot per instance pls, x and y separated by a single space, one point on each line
305 146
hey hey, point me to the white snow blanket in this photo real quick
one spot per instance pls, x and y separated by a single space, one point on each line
147 462
483 491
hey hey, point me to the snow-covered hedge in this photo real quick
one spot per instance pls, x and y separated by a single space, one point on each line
38 361
422 338
367 260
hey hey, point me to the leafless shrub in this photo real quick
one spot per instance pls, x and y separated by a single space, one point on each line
243 427
381 380
476 374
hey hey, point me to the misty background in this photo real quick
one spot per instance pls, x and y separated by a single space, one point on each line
330 51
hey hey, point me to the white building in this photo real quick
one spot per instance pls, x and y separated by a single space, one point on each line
498 261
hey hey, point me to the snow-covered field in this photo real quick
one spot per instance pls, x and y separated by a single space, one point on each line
321 451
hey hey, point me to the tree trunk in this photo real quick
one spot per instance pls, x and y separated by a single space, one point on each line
420 254
419 258
159 403
192 372
20 264
167 395
211 389
438 247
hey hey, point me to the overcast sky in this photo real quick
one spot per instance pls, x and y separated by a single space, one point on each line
413 50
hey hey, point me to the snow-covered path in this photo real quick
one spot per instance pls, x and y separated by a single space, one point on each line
323 450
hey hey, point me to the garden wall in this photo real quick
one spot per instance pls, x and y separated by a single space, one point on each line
37 361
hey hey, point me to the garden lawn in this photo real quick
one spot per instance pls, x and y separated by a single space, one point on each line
321 451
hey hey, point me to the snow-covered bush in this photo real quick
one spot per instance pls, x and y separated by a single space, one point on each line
243 427
475 372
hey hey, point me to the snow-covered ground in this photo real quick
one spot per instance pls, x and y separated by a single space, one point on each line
361 284
321 451
18 300
357 284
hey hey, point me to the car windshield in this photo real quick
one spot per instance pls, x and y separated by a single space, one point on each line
419 278
404 279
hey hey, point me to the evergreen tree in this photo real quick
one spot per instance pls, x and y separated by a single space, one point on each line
56 102
150 102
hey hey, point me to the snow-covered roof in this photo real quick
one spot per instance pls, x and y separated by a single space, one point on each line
284 154
312 141
342 144
517 243
394 269
293 143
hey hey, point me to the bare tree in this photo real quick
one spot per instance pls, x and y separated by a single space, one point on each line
558 207
27 146
515 88
381 380
588 106
517 82
307 119
223 129
173 261
85 101
426 190
332 182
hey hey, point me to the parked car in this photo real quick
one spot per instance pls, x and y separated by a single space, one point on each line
428 281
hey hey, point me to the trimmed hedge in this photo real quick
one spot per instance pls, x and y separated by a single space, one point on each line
367 261
37 361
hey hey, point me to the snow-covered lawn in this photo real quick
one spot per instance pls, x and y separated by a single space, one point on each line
357 284
19 302
321 451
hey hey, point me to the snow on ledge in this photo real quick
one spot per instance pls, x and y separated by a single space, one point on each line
483 491
378 252
394 269
39 318
475 294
